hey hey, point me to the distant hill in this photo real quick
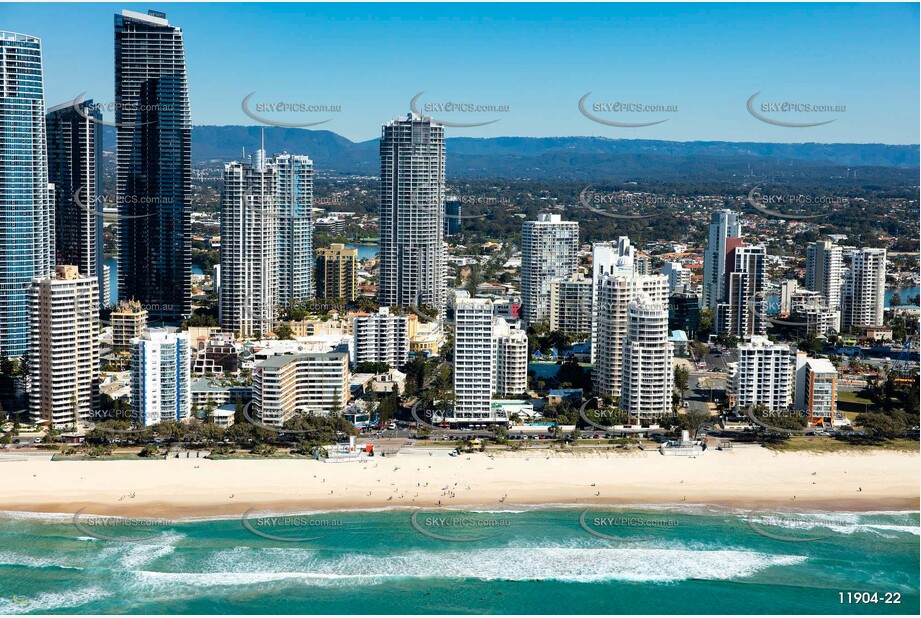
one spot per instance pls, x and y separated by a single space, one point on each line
564 158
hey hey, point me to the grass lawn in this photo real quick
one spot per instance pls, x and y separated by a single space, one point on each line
819 444
852 397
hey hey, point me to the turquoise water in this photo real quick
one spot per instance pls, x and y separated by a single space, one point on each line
365 251
695 560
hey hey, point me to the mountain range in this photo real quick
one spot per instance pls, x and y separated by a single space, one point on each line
549 158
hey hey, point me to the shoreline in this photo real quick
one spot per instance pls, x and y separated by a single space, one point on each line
196 489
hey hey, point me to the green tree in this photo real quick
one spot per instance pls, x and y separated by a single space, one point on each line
284 331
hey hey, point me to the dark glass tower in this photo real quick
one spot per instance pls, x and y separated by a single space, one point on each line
26 213
75 169
154 165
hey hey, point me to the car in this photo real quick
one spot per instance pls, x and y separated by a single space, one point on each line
36 440
596 437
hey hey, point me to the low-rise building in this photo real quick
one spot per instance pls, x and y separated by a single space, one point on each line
128 321
309 383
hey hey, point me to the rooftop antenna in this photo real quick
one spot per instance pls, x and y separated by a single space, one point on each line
263 139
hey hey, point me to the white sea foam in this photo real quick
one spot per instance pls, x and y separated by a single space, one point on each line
47 602
576 564
17 559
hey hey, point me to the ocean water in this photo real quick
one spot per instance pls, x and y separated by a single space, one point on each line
681 559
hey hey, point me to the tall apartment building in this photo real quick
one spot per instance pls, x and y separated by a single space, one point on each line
763 375
788 288
154 165
549 250
75 170
337 272
26 198
249 247
571 305
161 377
816 388
679 277
724 224
511 368
380 337
412 251
743 310
617 291
647 380
294 203
64 356
105 295
607 258
305 383
129 320
474 359
823 272
865 289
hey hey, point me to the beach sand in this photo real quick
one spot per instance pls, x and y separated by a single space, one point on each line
746 477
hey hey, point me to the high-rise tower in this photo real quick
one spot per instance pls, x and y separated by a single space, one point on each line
154 165
75 170
412 253
26 198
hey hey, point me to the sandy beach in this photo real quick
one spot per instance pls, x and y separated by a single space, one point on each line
184 488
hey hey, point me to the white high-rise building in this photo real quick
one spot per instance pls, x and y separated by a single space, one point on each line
679 277
648 378
864 289
294 205
380 337
549 250
763 375
511 368
412 251
161 377
64 356
823 272
617 291
249 249
724 224
26 198
607 258
474 359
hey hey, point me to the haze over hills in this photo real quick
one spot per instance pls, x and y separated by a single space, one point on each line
564 158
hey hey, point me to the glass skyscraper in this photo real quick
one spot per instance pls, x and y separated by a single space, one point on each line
26 198
412 253
154 165
75 170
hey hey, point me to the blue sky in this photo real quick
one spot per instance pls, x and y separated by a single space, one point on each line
537 59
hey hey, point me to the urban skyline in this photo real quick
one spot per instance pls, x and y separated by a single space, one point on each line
453 375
